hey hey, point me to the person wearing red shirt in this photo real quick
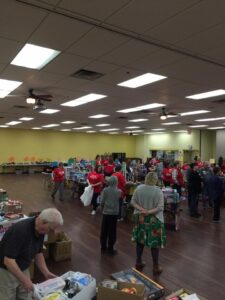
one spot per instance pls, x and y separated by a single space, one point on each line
121 186
109 167
96 180
167 174
58 178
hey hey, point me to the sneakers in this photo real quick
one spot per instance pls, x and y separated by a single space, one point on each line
93 212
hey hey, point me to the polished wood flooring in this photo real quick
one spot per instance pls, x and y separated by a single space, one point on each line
194 257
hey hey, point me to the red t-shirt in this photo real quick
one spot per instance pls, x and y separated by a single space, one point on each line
109 168
121 182
167 175
59 174
94 178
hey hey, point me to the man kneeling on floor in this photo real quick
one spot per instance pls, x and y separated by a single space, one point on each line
22 243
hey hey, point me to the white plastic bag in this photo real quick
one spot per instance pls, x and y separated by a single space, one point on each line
87 195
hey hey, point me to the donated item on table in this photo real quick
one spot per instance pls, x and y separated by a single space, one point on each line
3 195
152 289
62 248
13 206
71 285
110 290
184 294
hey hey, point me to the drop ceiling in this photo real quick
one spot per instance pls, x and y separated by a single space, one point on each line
121 39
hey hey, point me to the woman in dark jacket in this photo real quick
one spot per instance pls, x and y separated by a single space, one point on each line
194 189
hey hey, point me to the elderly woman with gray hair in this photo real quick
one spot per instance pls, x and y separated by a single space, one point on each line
148 203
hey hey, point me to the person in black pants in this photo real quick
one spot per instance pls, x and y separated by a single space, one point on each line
110 205
194 189
216 192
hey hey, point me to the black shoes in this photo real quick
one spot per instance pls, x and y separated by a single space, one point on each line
195 215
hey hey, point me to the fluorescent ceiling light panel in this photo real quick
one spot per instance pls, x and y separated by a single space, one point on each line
49 111
132 131
210 119
13 123
99 116
4 126
113 132
158 129
180 131
91 131
83 100
138 120
102 125
139 108
219 127
198 126
110 129
196 112
171 123
132 127
154 132
34 57
65 129
141 80
82 127
207 95
26 119
68 122
7 86
36 128
50 125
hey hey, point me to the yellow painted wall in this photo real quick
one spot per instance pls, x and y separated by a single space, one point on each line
208 144
167 141
57 145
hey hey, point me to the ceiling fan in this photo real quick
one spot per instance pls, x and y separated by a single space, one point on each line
37 99
165 114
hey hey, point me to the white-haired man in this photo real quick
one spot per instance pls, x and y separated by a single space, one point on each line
22 243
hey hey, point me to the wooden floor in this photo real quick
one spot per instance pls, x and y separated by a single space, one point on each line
194 257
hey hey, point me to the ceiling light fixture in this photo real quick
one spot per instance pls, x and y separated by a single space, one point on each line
198 126
219 127
49 111
30 100
12 123
83 100
68 122
163 117
141 80
7 86
26 119
171 123
50 125
99 116
139 108
102 125
138 120
205 95
110 129
210 119
196 112
34 57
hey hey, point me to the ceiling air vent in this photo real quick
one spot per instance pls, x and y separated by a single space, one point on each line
221 101
20 106
87 74
122 117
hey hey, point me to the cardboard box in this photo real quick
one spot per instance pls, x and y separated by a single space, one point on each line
181 291
112 294
62 248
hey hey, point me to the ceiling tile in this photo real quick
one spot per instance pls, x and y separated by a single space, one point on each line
97 10
97 43
139 17
196 19
24 19
9 50
54 27
67 64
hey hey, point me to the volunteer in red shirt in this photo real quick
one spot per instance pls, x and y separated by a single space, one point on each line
109 167
96 179
58 178
121 186
167 174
